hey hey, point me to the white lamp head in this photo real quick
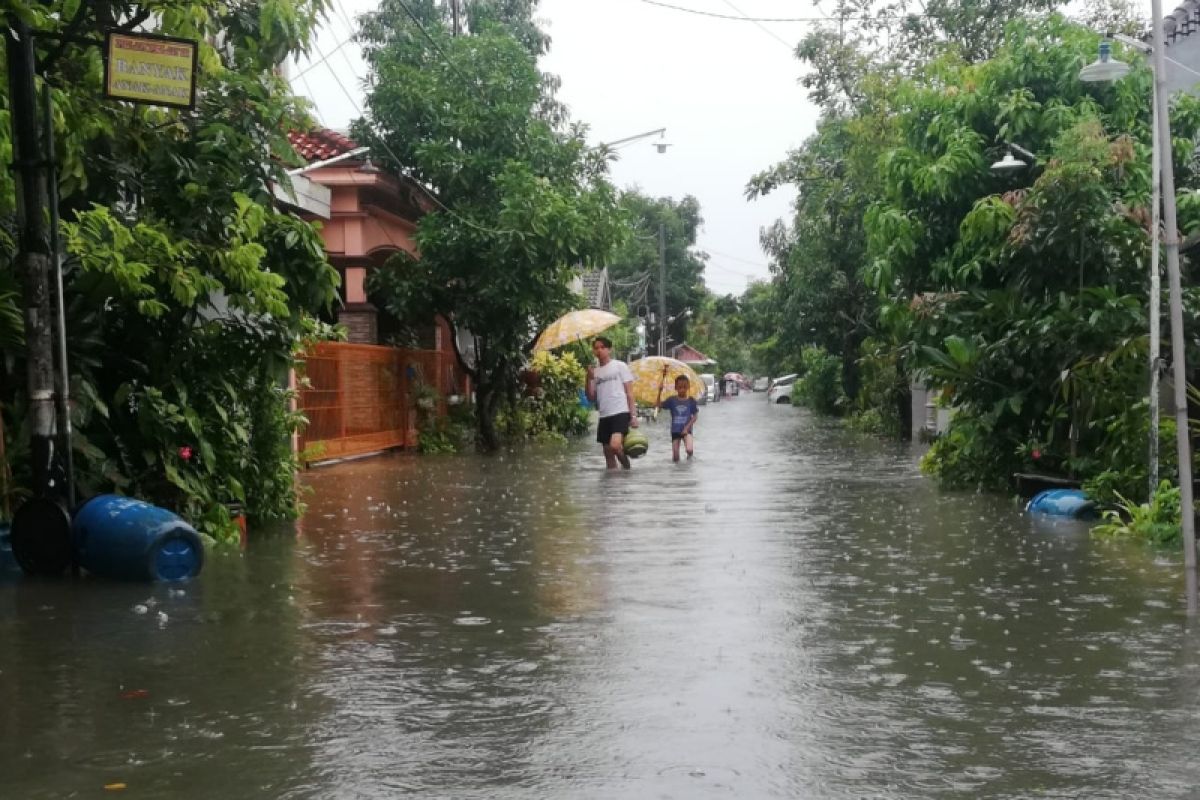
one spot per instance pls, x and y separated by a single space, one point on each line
1105 68
1008 164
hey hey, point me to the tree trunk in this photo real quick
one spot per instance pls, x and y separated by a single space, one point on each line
33 250
485 410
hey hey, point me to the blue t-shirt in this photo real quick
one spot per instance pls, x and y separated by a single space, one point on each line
681 411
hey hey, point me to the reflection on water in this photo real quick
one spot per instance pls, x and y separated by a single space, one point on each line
795 614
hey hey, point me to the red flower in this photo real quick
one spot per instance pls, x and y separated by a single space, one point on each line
1036 454
185 453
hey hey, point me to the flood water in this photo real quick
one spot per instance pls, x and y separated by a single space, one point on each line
796 613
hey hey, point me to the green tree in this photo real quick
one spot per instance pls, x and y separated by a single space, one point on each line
518 198
820 257
1025 293
188 292
634 267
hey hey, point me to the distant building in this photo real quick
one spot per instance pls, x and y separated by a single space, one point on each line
592 285
1182 29
691 356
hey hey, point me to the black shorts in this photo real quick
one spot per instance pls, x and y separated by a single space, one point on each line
675 437
617 423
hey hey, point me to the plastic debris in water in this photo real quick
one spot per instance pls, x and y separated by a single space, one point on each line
140 608
115 787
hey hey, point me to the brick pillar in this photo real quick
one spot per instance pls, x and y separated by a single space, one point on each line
359 316
362 323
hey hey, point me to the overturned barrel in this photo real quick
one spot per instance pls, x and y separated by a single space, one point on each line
123 538
1069 503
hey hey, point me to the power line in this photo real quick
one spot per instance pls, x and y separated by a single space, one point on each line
760 26
739 273
741 16
732 257
309 68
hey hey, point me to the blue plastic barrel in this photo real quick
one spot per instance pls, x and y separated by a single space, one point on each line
119 537
1068 503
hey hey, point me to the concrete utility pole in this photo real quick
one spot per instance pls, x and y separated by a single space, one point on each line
33 247
662 290
1171 250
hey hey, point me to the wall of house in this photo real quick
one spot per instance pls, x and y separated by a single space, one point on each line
1185 50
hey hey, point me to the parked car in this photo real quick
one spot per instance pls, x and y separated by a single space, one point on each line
762 384
710 387
781 389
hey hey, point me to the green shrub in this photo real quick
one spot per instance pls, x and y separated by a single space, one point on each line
970 456
820 387
1157 521
552 412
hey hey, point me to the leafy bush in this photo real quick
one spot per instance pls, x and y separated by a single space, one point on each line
551 409
871 421
820 387
1157 521
968 456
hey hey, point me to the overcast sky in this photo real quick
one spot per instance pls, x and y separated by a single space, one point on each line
725 90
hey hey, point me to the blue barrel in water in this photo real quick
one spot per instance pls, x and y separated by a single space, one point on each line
119 537
1069 503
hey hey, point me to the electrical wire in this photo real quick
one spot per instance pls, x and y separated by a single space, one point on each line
732 257
760 26
313 65
731 271
313 96
351 32
741 16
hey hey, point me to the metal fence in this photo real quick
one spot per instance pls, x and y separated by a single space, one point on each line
360 398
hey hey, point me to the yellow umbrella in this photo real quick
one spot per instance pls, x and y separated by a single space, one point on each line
648 377
574 327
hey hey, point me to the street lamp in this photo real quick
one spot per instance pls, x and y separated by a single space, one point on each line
1011 163
1107 68
1008 164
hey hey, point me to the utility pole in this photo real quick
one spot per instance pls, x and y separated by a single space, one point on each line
33 247
662 290
454 16
1179 374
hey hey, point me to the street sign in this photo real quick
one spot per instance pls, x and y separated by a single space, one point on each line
155 70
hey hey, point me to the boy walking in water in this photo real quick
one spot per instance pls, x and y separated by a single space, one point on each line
610 387
684 411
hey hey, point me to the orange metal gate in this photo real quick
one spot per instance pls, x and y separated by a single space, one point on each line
358 398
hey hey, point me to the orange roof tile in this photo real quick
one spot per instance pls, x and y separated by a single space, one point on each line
320 144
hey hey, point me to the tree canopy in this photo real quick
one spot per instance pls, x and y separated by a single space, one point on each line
188 291
520 201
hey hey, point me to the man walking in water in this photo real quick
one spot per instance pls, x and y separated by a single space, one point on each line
610 387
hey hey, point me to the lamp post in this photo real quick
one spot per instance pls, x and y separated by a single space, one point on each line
1107 68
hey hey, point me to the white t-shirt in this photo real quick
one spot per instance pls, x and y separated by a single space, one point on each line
610 388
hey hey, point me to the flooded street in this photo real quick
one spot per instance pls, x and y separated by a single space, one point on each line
796 613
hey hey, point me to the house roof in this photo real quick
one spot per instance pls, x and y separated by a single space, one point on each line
1182 22
321 143
689 355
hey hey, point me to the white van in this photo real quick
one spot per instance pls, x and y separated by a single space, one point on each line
710 387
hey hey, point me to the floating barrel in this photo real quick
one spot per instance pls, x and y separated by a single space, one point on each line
119 537
1067 503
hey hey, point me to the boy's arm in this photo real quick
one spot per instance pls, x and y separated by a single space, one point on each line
590 384
633 418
